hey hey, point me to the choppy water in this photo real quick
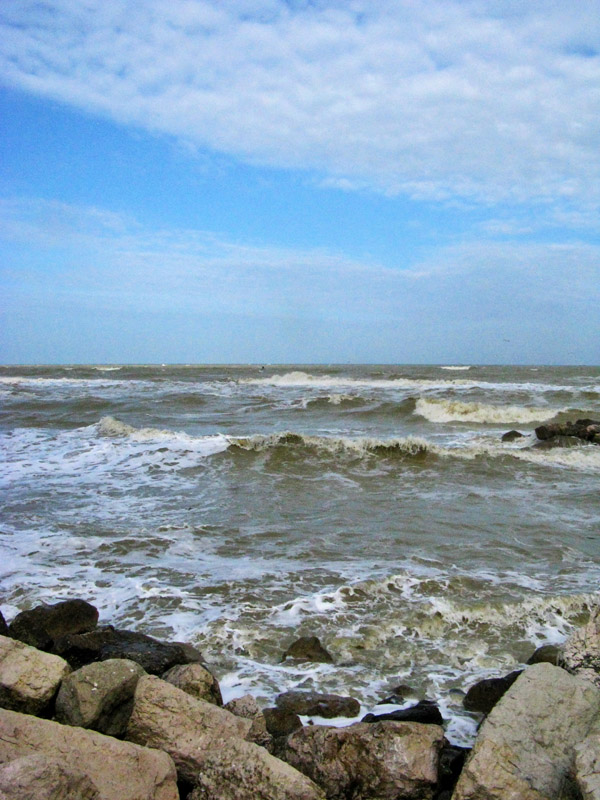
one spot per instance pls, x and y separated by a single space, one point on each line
372 506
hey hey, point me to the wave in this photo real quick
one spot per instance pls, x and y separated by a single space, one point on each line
456 411
360 446
456 369
206 445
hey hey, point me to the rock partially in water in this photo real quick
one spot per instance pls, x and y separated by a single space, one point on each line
425 711
41 626
484 695
318 705
99 696
383 761
546 654
154 656
586 429
308 648
510 436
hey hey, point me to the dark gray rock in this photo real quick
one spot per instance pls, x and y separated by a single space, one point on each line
586 429
280 722
3 626
308 648
103 643
547 653
425 712
318 705
510 436
41 626
452 760
484 695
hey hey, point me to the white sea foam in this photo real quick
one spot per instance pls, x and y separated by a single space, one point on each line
359 446
456 369
436 410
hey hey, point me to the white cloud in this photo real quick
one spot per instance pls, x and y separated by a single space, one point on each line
488 100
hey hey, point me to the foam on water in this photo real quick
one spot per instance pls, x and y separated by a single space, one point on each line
456 411
457 369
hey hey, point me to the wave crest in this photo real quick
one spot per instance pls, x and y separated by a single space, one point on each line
457 411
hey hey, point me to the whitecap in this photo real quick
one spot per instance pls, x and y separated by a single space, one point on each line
436 410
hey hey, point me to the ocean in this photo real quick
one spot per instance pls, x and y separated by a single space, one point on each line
376 507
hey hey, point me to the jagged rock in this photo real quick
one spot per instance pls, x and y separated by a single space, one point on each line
510 436
484 695
42 625
308 648
99 696
197 680
581 651
382 761
586 429
525 747
29 678
208 747
107 642
318 705
280 722
117 769
41 777
247 708
586 770
3 626
546 654
425 711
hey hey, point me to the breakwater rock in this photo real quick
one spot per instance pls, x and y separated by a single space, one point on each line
586 429
111 730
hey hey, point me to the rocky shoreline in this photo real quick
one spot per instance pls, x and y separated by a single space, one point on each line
90 712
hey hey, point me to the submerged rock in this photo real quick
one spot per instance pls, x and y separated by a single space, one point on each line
383 761
29 678
425 711
484 695
42 625
103 643
308 648
318 705
525 747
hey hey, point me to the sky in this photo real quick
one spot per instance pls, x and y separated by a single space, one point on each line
300 181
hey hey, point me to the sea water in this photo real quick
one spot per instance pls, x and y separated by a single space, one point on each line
376 507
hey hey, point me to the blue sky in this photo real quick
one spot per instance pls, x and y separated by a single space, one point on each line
270 181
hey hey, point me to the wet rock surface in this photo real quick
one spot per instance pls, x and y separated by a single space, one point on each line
318 705
484 695
41 626
586 429
425 711
308 648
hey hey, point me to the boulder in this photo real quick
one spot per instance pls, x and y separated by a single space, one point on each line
280 722
41 777
425 711
107 642
452 760
117 770
318 705
525 747
546 654
3 626
382 761
510 436
586 429
208 747
587 765
197 680
581 651
247 708
29 678
484 695
308 648
99 696
42 625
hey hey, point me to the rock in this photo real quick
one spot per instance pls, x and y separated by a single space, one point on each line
425 711
546 654
281 723
308 648
525 747
3 626
118 770
106 642
208 747
586 429
29 678
99 696
452 760
247 708
557 442
581 651
382 761
484 695
39 777
42 625
586 770
197 680
318 705
510 436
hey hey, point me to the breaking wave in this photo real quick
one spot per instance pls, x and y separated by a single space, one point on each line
456 411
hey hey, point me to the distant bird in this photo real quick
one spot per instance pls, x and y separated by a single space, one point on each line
506 340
